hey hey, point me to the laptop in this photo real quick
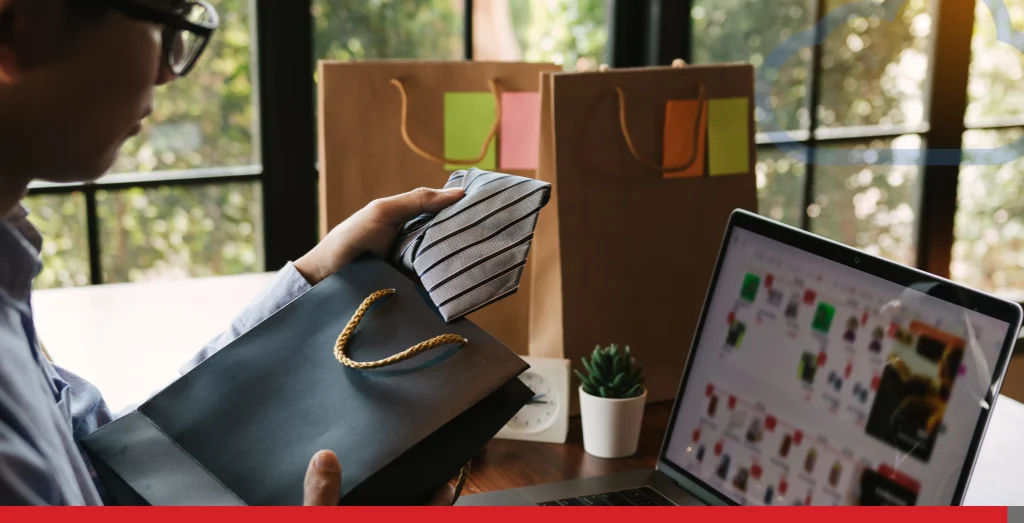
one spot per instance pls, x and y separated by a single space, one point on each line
818 375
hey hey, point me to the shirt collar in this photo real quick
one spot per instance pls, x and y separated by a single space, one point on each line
20 244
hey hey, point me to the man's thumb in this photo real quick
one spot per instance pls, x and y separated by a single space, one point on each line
323 480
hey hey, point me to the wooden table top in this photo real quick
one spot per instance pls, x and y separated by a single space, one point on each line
998 476
511 464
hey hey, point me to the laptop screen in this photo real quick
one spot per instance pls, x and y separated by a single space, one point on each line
816 383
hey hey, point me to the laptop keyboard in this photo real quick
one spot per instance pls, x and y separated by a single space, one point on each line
635 497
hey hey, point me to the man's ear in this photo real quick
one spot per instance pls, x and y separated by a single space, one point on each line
10 70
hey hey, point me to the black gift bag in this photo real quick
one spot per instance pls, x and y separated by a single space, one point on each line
241 427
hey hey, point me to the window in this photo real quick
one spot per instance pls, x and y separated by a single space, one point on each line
61 220
989 248
748 31
867 82
570 33
368 29
873 208
175 232
878 83
192 195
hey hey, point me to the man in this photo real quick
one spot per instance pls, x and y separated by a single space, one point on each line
76 78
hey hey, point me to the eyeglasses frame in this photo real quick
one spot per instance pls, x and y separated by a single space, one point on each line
173 24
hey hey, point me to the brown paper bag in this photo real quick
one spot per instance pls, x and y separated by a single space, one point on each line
623 253
366 154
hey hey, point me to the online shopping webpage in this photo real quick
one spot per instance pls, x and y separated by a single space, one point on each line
815 383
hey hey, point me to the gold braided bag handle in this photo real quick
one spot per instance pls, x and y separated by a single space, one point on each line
495 90
438 341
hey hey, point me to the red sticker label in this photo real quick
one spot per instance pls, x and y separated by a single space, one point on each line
849 369
875 382
783 487
798 436
755 471
900 478
769 280
809 296
822 358
731 318
732 402
718 449
769 423
696 435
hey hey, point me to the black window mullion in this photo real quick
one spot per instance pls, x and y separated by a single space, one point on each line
284 40
92 230
627 33
815 71
671 29
947 105
467 29
649 32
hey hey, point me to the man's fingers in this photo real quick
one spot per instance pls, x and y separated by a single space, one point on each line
404 207
323 480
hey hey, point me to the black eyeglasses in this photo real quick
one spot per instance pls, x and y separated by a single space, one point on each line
188 27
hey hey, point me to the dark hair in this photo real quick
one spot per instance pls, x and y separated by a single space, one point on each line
86 9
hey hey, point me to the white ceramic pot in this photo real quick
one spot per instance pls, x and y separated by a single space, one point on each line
611 427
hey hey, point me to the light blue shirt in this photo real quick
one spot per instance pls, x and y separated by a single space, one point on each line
45 409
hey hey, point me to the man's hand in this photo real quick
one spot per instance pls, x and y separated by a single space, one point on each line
371 230
323 483
323 480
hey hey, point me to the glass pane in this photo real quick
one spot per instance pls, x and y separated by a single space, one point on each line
60 218
874 71
997 69
180 232
572 33
989 249
749 31
365 29
206 119
780 186
872 208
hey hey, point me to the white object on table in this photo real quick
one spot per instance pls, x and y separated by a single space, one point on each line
611 426
130 340
546 417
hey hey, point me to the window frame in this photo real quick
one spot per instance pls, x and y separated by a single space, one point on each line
641 33
672 37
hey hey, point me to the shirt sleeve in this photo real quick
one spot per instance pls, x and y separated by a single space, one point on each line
287 285
25 478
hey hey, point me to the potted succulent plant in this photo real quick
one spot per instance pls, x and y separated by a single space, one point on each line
612 398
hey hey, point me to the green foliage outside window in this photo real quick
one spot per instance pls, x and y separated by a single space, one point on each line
875 73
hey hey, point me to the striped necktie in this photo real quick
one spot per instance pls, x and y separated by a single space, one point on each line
473 253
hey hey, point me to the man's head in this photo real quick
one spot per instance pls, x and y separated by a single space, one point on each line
76 79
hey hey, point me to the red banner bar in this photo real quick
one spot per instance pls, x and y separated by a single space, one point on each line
506 514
